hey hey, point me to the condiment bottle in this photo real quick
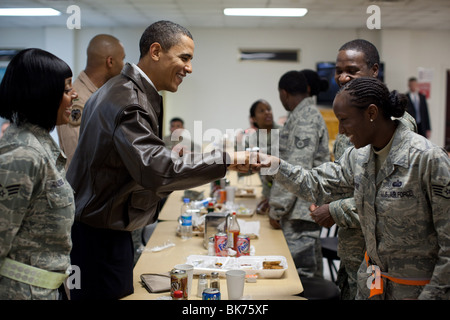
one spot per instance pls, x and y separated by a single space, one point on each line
202 284
178 295
215 281
233 231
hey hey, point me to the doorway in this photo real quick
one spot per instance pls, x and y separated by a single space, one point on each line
447 118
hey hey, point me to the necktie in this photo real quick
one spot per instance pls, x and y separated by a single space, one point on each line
417 107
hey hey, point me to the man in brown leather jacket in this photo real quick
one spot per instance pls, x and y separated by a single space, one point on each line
121 168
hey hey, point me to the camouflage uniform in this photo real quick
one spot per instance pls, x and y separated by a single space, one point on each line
404 211
36 208
263 140
351 245
303 141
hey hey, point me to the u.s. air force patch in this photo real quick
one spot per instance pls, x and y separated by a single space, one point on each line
6 192
441 191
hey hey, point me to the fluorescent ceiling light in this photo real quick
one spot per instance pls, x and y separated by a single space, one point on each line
266 12
29 12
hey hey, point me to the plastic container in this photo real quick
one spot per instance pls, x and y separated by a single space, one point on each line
186 220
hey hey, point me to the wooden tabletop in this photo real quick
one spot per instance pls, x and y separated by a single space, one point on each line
270 242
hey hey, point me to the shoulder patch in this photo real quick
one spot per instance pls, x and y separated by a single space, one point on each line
441 191
6 192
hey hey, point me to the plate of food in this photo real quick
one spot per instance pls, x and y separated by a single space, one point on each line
269 267
245 193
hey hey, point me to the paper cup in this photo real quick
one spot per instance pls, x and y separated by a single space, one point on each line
231 193
235 284
189 268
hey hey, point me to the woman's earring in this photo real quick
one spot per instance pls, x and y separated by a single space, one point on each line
371 120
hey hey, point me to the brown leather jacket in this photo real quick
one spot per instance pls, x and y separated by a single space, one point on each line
121 169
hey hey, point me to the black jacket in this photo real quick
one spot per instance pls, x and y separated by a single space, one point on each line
121 169
424 125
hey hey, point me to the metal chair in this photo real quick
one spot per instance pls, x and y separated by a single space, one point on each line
329 243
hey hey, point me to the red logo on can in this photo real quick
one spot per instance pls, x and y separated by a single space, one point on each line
220 244
243 245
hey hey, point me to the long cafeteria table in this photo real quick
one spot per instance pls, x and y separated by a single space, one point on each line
271 242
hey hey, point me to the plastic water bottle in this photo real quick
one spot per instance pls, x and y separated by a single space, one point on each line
186 219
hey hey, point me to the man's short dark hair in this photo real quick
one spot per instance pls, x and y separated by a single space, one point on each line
32 88
366 47
177 119
166 33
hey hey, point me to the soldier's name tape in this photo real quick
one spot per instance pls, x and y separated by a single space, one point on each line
31 275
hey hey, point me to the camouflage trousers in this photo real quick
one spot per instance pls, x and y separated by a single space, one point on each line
351 248
15 290
303 241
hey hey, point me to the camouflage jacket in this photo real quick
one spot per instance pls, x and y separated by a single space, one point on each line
404 211
262 139
36 207
303 141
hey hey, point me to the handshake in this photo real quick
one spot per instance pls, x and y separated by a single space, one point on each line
249 161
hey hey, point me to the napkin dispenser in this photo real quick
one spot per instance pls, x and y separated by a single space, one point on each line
215 222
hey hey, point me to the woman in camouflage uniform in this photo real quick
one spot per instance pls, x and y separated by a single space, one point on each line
401 185
36 201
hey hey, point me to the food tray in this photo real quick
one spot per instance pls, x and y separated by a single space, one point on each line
245 193
244 212
251 265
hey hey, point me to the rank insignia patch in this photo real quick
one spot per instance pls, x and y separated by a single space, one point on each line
7 191
442 191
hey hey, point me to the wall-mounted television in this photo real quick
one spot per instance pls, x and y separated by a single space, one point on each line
326 70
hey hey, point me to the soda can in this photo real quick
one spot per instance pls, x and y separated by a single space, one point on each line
220 244
211 294
243 245
178 281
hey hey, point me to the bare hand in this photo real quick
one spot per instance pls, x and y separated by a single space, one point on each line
243 161
321 215
265 161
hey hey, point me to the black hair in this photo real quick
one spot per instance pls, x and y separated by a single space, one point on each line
367 90
366 47
166 33
316 83
294 82
177 119
253 109
32 88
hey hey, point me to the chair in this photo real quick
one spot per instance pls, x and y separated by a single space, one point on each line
319 289
329 243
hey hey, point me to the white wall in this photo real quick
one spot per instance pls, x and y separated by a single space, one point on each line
221 89
406 51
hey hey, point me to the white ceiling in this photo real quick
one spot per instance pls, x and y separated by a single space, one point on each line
404 14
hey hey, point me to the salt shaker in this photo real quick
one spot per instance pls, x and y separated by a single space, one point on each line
202 284
215 281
